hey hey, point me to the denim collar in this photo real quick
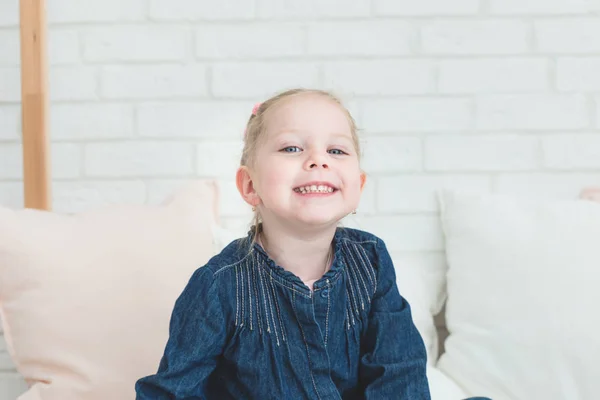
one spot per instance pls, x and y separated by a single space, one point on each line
278 272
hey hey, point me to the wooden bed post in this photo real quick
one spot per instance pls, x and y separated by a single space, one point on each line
34 100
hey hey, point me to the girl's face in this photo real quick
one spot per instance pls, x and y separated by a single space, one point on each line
306 169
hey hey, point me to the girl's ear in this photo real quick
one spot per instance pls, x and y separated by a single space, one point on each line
245 186
363 180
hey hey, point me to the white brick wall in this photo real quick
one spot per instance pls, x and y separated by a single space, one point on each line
481 95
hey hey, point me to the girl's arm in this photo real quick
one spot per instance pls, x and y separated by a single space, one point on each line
393 357
197 336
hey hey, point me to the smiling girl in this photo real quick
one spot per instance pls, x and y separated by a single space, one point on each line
301 308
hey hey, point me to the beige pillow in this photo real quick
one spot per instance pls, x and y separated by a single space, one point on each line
86 299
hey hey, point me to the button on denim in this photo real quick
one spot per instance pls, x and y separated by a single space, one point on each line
245 328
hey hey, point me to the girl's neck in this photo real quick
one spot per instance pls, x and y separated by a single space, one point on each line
306 256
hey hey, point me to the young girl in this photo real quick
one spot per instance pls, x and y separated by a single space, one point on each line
301 308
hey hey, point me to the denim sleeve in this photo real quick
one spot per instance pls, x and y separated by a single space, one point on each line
197 337
393 357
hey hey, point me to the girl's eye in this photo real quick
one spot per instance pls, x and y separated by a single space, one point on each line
337 152
291 149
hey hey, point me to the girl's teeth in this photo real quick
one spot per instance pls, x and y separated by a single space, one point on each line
315 189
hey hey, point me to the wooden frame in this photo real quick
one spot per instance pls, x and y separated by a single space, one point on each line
34 101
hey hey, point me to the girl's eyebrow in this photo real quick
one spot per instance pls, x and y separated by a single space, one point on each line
342 136
293 133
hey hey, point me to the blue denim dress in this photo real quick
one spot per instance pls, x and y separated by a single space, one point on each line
245 328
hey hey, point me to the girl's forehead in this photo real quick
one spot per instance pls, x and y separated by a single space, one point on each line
308 113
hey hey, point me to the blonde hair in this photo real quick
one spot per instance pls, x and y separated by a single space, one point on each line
256 128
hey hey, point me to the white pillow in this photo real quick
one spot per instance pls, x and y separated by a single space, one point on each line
421 280
522 296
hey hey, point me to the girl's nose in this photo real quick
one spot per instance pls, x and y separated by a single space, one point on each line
316 160
315 165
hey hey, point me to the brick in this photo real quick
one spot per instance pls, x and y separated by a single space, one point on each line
360 38
73 83
597 111
10 122
381 77
406 232
10 45
218 159
545 184
246 41
9 13
68 11
91 121
475 37
11 161
207 119
74 197
487 153
541 7
138 159
63 46
392 154
153 81
572 36
11 194
493 75
572 151
418 193
10 84
254 80
135 43
417 114
291 9
425 7
532 112
578 74
66 160
201 10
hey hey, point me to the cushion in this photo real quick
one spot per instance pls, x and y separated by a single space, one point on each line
421 281
86 299
522 296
